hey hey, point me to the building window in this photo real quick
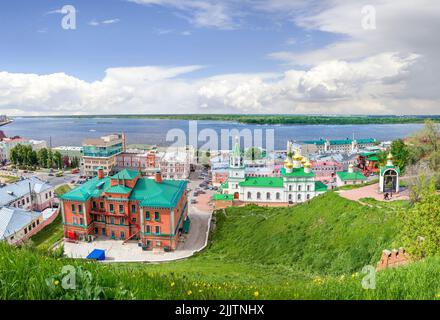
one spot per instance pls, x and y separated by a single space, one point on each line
157 229
121 208
258 196
249 195
73 207
308 188
101 205
299 197
290 188
133 208
156 216
94 205
74 220
148 229
147 215
122 237
81 221
278 196
112 220
111 207
80 209
268 196
308 197
299 188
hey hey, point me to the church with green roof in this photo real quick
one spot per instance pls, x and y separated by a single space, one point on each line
296 184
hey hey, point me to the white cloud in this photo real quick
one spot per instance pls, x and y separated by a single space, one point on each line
95 23
366 86
201 13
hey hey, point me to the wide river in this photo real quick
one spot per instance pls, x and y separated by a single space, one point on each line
72 131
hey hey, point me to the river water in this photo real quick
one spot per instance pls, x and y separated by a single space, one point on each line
72 131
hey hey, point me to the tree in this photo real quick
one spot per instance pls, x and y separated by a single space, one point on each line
58 159
400 152
42 157
253 153
421 225
49 164
66 161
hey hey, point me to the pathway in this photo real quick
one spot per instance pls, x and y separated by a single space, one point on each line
371 191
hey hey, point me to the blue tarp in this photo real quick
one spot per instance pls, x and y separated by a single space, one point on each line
97 254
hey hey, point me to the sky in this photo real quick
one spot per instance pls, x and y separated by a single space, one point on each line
212 56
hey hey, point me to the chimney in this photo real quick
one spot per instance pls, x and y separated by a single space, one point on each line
100 173
158 177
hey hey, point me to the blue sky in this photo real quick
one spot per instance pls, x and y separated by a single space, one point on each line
144 35
220 56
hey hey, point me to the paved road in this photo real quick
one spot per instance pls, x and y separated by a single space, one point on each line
53 180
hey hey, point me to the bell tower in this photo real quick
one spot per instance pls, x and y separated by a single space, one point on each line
236 169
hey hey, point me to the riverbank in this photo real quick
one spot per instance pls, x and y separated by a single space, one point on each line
272 119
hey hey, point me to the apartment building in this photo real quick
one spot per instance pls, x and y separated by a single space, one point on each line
101 153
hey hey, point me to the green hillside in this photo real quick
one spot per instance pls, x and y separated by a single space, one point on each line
312 251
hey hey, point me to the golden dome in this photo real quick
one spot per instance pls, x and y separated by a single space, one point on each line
390 156
307 164
297 157
289 165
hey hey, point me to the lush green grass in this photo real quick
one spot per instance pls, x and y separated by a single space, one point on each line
47 237
330 235
313 251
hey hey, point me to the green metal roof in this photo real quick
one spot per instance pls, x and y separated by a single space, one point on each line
158 195
119 189
126 174
373 158
320 187
223 197
225 185
297 172
92 188
262 182
347 176
383 169
369 153
147 191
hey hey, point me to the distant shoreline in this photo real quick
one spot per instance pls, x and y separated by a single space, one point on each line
267 119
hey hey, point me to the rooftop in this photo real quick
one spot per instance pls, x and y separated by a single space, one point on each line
14 219
297 172
350 176
16 190
263 182
147 191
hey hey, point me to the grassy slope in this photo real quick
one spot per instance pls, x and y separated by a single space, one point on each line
310 251
311 237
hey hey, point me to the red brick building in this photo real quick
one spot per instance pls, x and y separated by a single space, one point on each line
126 207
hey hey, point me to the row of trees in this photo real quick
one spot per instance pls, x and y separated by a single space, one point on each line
25 156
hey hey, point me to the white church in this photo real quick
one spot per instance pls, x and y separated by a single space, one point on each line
295 185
